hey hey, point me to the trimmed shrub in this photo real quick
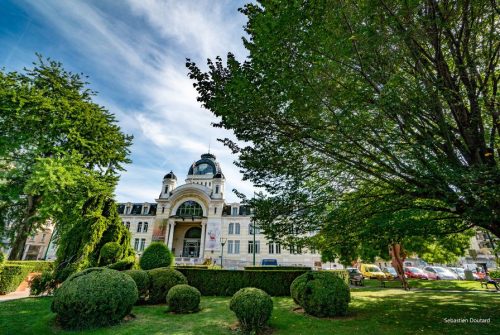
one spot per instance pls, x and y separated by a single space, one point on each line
155 256
110 253
12 276
253 308
43 283
228 282
124 264
183 299
321 293
35 266
94 297
162 280
142 281
2 259
278 268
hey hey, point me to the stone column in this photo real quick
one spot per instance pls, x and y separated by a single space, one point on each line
202 242
171 235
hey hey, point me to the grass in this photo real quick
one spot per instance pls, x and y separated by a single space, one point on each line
388 311
456 285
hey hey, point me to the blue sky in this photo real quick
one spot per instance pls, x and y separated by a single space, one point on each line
134 54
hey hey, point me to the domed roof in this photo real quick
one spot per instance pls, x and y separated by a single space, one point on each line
170 175
206 165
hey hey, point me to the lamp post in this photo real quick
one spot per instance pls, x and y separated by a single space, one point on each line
223 241
253 249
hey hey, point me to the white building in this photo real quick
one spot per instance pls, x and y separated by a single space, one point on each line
192 218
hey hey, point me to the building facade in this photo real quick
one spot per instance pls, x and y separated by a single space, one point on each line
196 223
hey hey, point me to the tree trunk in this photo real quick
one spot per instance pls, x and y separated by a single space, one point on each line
397 262
24 230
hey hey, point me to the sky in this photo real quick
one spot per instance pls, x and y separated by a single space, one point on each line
134 53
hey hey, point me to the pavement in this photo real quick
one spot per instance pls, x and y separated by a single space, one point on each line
23 291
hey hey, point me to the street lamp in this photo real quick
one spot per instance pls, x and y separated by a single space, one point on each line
223 241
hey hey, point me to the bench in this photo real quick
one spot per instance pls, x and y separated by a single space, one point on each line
384 281
356 282
485 284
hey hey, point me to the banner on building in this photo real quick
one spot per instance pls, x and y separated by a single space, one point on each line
212 240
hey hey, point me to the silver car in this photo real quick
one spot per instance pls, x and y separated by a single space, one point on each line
441 273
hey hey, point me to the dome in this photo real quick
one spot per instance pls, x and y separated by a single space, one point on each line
206 165
170 175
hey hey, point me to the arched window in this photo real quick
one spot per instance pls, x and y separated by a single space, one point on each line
194 232
190 208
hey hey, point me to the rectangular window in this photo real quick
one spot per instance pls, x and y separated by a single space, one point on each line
136 244
236 228
145 229
230 247
127 225
143 244
274 248
237 247
234 211
278 248
251 229
251 246
230 230
139 227
292 249
43 238
216 189
271 248
215 210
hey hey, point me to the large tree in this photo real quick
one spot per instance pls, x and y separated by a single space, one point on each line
50 124
375 112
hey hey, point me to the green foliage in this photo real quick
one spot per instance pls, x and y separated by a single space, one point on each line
226 283
110 253
95 297
43 283
495 274
12 276
322 294
346 135
2 259
56 172
15 272
125 264
155 256
142 281
253 308
162 280
183 299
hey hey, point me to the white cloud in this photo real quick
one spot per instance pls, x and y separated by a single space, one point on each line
147 65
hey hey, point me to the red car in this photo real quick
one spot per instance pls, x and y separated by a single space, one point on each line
412 272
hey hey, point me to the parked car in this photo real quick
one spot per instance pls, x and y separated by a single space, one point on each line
371 271
413 272
269 262
390 272
441 273
355 276
460 272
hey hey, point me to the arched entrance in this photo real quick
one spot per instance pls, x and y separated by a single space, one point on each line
191 246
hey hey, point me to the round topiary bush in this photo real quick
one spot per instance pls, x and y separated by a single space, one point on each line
142 281
162 280
253 308
110 253
183 299
94 297
321 293
155 256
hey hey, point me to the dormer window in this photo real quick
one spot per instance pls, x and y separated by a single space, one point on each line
234 211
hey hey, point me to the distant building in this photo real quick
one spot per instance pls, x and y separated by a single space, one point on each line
193 217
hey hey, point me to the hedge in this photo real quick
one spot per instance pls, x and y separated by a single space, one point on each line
495 273
278 268
228 282
36 266
14 272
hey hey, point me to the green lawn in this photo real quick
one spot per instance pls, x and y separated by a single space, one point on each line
388 311
458 285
